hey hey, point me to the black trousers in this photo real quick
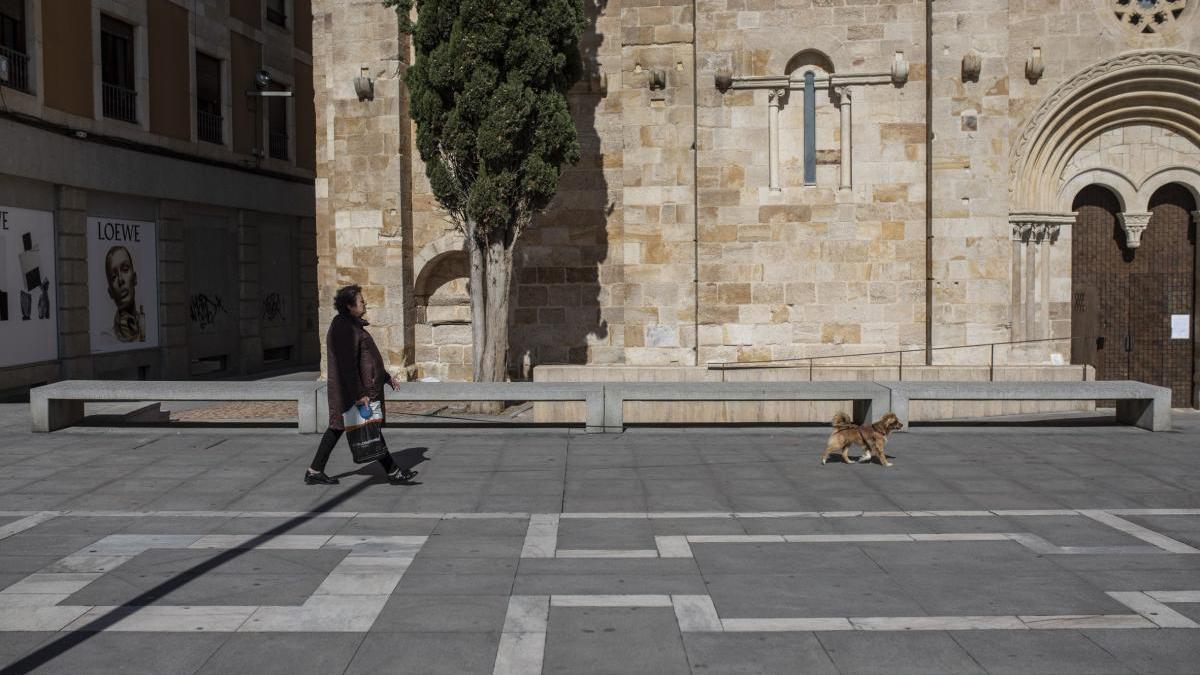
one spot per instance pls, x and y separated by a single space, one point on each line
329 440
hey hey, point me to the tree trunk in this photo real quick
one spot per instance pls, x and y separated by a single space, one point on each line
499 274
478 291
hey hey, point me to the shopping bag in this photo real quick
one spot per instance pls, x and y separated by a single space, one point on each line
365 434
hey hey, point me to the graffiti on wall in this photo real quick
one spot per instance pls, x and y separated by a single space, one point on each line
272 308
203 310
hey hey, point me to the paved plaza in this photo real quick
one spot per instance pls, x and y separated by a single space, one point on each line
1022 547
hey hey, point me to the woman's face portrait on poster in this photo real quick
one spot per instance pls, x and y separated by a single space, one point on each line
122 278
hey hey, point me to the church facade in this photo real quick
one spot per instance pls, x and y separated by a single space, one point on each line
766 180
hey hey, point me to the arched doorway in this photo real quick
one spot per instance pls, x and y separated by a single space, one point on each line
1124 299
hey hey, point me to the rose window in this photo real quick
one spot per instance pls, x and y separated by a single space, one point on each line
1148 16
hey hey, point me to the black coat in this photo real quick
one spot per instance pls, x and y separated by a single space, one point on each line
354 366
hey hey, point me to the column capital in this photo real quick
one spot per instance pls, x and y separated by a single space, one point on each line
1038 227
842 95
1134 224
777 96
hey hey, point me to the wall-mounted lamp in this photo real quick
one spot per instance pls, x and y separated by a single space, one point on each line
972 64
1034 68
262 80
364 86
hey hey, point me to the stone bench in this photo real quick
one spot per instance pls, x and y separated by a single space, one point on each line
870 400
1140 404
591 393
60 405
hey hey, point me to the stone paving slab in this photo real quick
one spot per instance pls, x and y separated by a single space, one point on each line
614 640
1051 652
898 654
687 536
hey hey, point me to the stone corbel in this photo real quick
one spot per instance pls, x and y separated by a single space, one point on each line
1134 225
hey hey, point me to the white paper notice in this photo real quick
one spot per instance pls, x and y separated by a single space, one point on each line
1181 326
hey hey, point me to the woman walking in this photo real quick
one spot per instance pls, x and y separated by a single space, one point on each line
356 376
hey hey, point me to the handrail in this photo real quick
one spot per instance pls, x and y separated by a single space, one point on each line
799 361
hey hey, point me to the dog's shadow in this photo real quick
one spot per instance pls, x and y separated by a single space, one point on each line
837 459
405 459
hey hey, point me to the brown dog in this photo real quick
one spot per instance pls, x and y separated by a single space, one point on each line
871 436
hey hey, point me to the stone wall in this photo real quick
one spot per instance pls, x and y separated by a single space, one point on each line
823 268
363 214
669 245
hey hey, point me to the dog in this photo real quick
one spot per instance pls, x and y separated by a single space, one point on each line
871 436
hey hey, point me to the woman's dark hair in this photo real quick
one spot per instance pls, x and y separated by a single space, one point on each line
346 297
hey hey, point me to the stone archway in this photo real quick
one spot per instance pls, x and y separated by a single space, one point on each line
1071 145
1127 301
1150 87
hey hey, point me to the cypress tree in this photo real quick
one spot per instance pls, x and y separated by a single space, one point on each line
488 92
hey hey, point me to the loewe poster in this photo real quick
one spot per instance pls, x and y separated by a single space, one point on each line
28 307
122 284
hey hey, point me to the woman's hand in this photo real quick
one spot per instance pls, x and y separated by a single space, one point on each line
363 401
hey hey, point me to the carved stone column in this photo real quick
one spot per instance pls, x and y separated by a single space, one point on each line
1033 235
843 95
1134 225
1016 315
775 99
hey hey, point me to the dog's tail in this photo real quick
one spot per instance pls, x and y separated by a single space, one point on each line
842 420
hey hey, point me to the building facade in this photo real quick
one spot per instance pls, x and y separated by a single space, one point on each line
156 189
782 179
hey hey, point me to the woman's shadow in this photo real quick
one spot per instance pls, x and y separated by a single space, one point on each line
405 459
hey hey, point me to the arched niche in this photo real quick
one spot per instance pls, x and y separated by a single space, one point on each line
442 333
808 59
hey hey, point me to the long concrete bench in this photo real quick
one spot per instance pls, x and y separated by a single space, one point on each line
60 405
591 393
870 400
1140 404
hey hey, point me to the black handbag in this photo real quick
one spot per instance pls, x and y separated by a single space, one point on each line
365 435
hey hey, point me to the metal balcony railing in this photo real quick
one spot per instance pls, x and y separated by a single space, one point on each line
208 127
277 145
18 69
120 103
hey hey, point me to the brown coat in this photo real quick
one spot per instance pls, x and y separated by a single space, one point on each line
354 366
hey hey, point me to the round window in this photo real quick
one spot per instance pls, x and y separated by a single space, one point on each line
1148 16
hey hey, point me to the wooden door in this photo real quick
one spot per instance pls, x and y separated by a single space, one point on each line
1123 299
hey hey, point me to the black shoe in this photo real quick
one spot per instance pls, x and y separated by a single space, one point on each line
320 478
402 475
